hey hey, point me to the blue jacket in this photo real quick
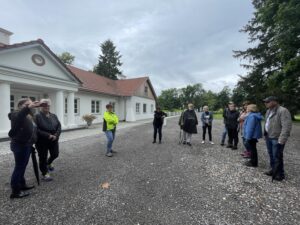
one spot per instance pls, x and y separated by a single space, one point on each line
252 126
207 120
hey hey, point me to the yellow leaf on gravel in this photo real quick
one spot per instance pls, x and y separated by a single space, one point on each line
105 185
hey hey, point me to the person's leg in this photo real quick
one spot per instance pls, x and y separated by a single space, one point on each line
235 137
42 150
204 132
270 151
209 133
154 133
224 135
160 133
21 155
54 152
278 158
109 136
230 137
189 138
254 159
184 136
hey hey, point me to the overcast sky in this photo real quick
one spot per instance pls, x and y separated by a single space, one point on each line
174 42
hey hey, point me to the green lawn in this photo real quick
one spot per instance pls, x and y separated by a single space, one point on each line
218 116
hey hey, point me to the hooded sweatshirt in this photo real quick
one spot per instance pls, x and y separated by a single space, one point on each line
252 126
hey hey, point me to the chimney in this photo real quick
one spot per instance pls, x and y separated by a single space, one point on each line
4 37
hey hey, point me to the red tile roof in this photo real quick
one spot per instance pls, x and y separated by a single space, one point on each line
94 82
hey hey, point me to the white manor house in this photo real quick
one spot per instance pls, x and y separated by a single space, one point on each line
31 69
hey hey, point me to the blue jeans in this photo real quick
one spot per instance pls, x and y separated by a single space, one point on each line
275 151
224 135
110 135
21 155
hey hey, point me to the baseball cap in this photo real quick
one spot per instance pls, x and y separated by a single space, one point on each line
271 98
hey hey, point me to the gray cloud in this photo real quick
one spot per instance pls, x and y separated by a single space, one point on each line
175 42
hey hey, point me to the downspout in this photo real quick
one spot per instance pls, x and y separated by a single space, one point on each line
125 109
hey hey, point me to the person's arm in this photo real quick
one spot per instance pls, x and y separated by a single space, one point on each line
286 126
116 119
211 118
196 118
58 129
202 118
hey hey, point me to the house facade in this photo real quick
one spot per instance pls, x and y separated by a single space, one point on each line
31 69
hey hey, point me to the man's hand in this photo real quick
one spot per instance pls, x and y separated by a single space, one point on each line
52 137
34 104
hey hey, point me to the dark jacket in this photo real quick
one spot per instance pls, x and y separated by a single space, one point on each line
22 128
252 126
159 118
231 119
47 125
207 118
190 121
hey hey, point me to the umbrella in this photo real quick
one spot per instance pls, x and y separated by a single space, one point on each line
275 168
35 165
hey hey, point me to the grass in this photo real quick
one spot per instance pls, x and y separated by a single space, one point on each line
218 116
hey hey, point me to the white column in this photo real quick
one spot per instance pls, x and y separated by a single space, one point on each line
71 114
4 109
59 106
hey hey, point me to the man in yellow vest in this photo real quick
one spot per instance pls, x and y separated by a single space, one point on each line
110 121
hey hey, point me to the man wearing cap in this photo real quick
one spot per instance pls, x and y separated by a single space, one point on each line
277 130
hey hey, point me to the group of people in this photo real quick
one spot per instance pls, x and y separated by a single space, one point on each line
43 130
247 122
28 129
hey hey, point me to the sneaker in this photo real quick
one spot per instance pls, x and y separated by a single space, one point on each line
184 142
211 143
222 144
189 144
47 177
269 173
109 154
113 151
21 194
202 142
229 146
153 142
234 148
51 168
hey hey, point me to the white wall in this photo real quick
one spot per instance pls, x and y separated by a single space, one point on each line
85 99
141 115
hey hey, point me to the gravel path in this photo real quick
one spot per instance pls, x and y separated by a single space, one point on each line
157 184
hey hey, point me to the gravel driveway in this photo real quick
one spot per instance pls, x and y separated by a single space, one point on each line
157 184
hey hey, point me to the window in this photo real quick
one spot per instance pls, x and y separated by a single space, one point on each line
144 108
76 105
95 106
146 90
12 103
152 108
66 105
137 107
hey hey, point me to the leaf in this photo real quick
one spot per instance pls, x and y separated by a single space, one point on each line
105 185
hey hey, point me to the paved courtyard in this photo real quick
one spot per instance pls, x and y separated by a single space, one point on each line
156 184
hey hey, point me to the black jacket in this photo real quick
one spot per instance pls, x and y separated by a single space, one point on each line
158 118
22 129
190 121
231 119
47 125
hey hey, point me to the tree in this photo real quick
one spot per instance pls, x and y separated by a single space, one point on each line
109 61
274 61
66 58
192 94
169 99
223 97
